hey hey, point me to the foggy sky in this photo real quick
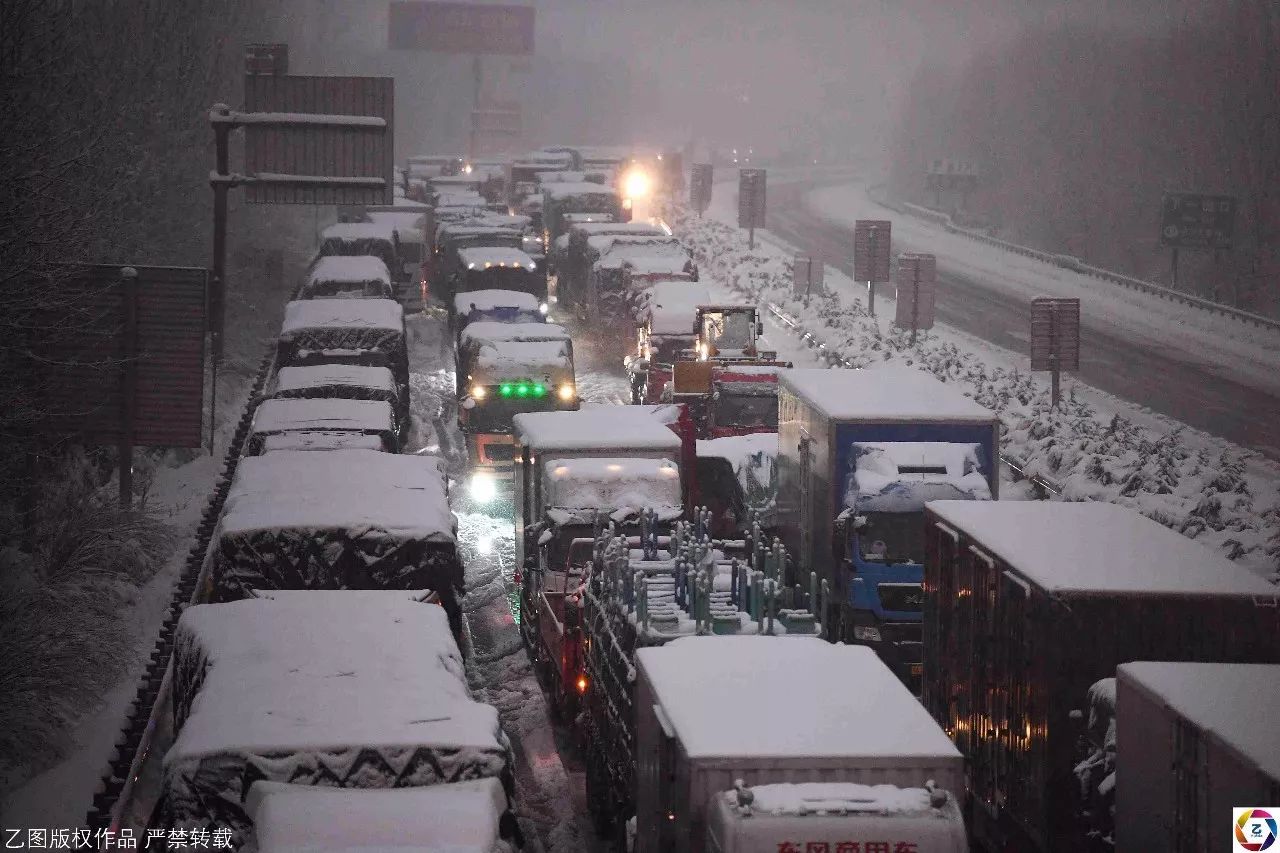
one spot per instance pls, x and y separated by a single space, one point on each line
821 75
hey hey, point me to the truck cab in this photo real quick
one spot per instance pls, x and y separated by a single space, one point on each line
496 268
494 306
730 333
665 336
574 470
860 453
504 369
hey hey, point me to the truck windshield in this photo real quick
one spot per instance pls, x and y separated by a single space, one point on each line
502 278
729 331
892 537
747 410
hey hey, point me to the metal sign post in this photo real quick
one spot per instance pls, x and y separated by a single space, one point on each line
872 239
128 382
917 276
700 187
751 202
1055 338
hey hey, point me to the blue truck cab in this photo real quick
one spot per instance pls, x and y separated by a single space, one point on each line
860 452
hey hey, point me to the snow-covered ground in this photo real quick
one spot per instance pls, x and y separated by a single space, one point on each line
1245 352
1096 446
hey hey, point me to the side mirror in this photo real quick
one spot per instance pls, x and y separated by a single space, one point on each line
759 329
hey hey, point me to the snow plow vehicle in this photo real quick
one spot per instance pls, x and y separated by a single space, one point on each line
504 369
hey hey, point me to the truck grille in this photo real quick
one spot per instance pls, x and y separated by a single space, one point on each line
906 636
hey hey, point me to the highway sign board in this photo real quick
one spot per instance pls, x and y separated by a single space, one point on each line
346 133
1055 333
751 198
700 187
461 28
266 59
917 289
1194 221
872 239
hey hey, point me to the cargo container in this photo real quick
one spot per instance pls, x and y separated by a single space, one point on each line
859 454
715 710
1027 604
1193 742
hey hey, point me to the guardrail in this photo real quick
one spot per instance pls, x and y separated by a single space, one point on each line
1076 265
815 343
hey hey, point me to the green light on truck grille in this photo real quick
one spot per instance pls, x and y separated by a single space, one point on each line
504 390
539 390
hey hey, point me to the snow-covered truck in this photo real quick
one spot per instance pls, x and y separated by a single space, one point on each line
618 280
665 335
345 519
833 816
561 198
859 453
571 255
1200 723
570 469
345 690
289 818
1050 598
347 276
348 239
341 382
296 420
715 711
737 398
411 237
427 166
496 268
497 306
504 369
368 332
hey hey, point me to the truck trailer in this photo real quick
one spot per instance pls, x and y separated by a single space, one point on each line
717 711
1201 721
859 453
1028 604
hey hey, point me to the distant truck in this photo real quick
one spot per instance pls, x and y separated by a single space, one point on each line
718 712
729 399
572 253
1028 604
368 332
378 239
859 454
562 198
1200 721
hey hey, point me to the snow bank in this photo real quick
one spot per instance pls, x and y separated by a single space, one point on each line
821 700
887 476
1097 547
1223 699
604 428
884 393
459 817
386 705
611 483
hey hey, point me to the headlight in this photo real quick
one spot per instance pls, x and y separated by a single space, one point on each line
544 308
479 391
483 488
566 392
866 633
636 184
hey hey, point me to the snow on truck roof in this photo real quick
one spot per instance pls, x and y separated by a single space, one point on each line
408 223
495 256
349 268
901 476
402 496
822 700
491 300
1231 700
629 427
292 818
884 393
673 306
559 191
290 414
1097 547
359 231
604 229
851 798
326 375
342 313
489 331
390 675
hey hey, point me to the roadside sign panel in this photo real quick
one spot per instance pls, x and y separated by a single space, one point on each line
461 28
751 198
1055 331
872 240
917 290
84 387
700 187
318 150
1194 221
266 59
